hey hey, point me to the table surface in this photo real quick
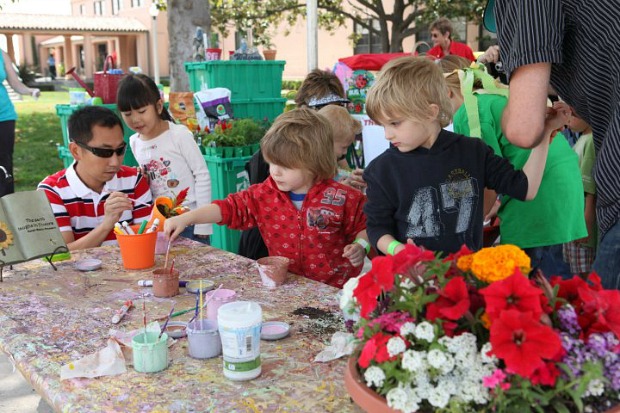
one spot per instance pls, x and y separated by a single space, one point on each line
49 318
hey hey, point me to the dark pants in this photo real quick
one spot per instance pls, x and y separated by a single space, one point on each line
550 260
53 72
7 143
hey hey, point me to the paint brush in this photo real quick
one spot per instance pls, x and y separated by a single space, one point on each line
167 252
201 317
205 304
144 315
135 201
178 313
163 328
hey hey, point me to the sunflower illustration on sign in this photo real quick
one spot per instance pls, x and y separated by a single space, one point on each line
6 237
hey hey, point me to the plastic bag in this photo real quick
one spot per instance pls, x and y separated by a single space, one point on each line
214 105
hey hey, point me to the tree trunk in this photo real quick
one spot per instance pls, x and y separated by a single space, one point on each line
183 18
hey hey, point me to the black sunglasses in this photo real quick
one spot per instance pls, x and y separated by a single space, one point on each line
104 152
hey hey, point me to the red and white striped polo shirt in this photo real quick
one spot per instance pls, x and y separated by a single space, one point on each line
79 209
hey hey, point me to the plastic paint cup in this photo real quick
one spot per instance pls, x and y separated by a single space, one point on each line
161 246
165 283
152 356
220 297
273 270
239 324
137 251
204 339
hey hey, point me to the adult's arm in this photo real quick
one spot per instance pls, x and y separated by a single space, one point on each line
523 121
13 79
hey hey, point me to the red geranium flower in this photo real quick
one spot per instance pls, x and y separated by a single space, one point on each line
514 292
523 342
379 278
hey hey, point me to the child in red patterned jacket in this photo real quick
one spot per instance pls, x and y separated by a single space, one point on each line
301 212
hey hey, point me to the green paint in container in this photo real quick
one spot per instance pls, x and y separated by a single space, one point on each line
150 355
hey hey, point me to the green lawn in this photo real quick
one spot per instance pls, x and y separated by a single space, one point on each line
37 133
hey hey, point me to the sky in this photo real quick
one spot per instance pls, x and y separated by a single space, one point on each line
36 6
33 7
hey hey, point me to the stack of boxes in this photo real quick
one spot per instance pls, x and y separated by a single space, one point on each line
255 87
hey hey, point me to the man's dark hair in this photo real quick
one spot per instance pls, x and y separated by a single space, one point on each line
82 121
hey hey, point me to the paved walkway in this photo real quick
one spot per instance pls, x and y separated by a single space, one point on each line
16 394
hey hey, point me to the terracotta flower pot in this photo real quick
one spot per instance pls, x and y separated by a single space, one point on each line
371 402
270 54
362 395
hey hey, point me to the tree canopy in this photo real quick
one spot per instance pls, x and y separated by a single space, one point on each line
389 24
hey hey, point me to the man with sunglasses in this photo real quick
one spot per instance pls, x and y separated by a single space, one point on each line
96 191
441 34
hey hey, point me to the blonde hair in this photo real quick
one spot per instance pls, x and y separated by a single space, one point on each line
407 86
450 65
343 124
301 139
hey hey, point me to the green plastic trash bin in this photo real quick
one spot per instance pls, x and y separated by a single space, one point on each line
228 175
64 112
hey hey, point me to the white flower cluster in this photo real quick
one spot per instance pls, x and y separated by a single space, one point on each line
403 398
374 376
348 303
451 371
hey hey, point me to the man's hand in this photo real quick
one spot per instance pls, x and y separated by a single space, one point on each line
490 56
114 207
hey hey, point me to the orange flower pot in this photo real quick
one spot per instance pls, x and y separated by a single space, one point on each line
366 398
162 200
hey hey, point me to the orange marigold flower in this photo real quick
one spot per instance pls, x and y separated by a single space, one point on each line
486 320
497 263
464 263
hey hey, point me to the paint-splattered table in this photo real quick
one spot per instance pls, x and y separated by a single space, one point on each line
48 318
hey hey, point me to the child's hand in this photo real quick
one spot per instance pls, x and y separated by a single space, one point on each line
355 180
355 253
174 226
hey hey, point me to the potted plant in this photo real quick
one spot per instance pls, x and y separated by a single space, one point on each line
168 206
269 50
239 137
472 333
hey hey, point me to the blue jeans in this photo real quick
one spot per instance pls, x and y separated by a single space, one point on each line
188 232
607 261
550 260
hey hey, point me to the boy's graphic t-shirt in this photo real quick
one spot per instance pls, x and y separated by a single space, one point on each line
172 162
435 196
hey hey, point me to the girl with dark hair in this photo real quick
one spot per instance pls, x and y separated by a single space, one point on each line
167 152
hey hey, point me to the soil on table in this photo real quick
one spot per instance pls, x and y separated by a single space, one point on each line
319 322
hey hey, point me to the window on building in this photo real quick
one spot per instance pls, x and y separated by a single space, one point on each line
136 3
98 8
82 9
116 6
368 42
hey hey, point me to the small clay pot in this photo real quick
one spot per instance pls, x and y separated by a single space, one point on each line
273 270
165 283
